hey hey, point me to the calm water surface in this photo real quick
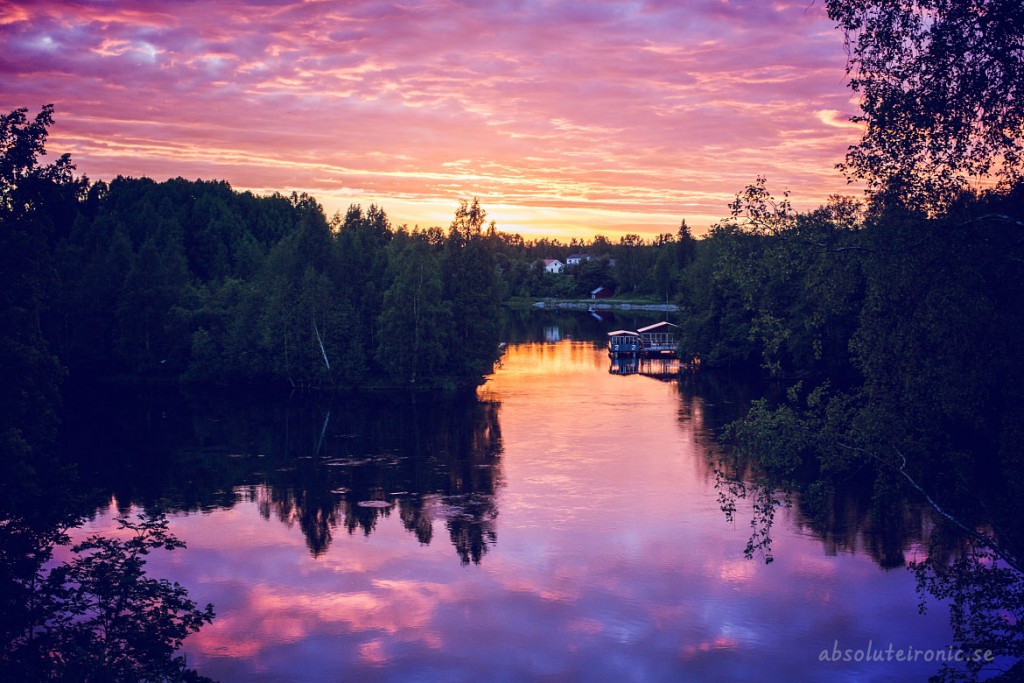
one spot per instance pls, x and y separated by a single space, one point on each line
562 525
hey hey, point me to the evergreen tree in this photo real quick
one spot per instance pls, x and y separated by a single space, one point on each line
37 204
471 287
415 320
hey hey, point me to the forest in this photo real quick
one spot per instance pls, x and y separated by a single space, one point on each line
891 322
192 280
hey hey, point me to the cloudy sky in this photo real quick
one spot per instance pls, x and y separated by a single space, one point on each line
566 118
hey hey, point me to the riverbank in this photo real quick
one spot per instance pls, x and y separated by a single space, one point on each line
601 304
380 386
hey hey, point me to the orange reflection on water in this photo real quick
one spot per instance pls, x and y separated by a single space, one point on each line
523 361
577 437
611 551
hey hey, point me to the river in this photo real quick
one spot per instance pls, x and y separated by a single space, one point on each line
562 524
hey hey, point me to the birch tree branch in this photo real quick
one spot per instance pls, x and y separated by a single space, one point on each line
321 342
986 541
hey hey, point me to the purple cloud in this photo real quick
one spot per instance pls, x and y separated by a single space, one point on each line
661 109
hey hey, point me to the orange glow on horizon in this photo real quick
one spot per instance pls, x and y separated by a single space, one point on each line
654 116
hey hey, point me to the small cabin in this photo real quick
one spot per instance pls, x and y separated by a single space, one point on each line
659 338
625 343
601 293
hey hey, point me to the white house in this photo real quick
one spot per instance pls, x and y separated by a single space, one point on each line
576 259
553 265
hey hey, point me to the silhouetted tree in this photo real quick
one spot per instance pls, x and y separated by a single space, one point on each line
37 205
471 286
941 88
99 616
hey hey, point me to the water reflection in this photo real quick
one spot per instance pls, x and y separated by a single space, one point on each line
345 465
847 519
975 573
614 559
550 325
663 369
844 519
340 465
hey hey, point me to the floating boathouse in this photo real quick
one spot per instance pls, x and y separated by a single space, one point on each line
654 340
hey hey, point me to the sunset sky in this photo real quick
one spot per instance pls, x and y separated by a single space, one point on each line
565 118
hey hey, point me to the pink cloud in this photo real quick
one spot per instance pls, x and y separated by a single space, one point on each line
661 111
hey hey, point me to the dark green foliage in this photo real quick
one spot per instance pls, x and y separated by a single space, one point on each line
715 321
153 287
191 280
796 447
633 265
589 275
415 316
919 318
471 285
97 616
940 85
37 205
773 288
909 327
361 274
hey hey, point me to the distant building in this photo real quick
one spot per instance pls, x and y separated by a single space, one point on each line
601 293
576 259
553 265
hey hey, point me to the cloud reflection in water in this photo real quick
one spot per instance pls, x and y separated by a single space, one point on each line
609 560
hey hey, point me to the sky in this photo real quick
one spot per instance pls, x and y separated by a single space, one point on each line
565 118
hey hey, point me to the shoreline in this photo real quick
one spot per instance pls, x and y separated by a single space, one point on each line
602 304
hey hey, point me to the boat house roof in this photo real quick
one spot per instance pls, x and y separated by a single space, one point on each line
658 327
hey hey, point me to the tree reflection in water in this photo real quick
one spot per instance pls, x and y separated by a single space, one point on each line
341 466
317 463
974 567
977 576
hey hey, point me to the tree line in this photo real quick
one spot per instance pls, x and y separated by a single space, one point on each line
895 335
631 267
894 323
193 280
